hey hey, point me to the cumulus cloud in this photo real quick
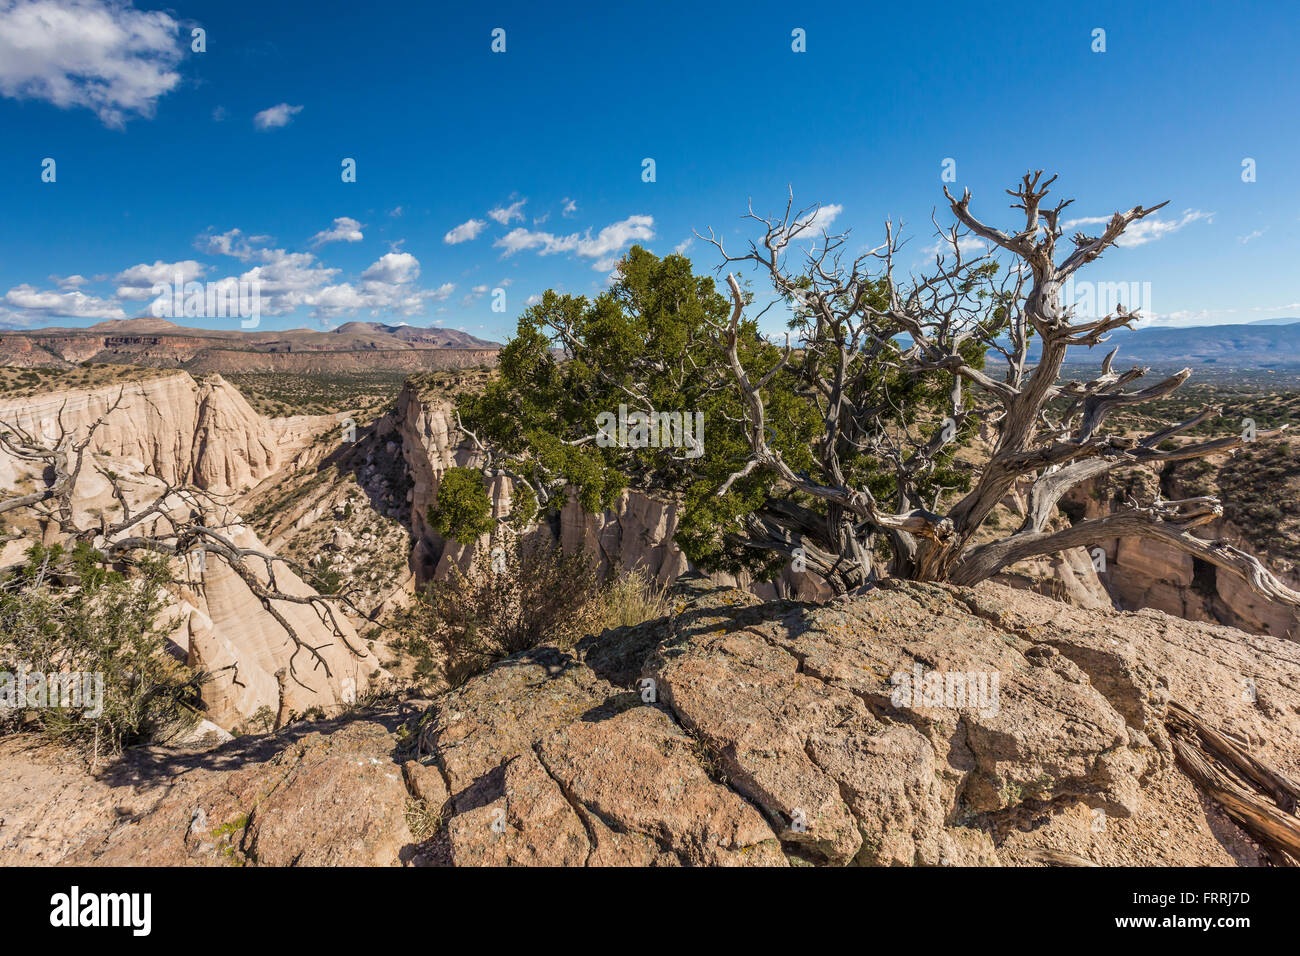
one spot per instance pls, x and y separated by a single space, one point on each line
38 304
388 284
276 116
968 245
288 279
604 247
1144 230
138 282
104 56
393 268
345 229
507 214
285 282
465 232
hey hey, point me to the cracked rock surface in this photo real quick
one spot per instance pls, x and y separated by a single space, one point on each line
732 732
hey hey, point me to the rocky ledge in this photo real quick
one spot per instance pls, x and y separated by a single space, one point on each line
735 732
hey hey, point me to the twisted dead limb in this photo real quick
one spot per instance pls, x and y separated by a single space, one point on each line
1262 800
859 315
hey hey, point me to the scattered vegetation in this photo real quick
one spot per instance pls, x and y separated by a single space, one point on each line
26 382
280 394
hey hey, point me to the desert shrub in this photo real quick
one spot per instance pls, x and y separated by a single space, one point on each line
65 613
531 593
323 577
512 598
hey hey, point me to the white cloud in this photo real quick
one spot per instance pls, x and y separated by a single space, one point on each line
823 217
48 304
276 116
465 232
507 214
345 229
570 207
618 235
388 285
1251 235
137 282
394 268
105 56
968 245
286 281
1144 230
604 248
234 244
684 245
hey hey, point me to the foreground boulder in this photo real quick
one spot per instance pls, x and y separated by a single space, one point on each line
916 725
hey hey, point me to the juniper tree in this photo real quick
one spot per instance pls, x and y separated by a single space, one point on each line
839 447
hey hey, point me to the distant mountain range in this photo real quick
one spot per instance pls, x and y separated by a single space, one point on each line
355 346
1267 344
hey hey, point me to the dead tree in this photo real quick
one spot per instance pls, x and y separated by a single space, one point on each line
860 315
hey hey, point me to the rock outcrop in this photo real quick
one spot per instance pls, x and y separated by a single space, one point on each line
796 709
1145 573
737 732
167 428
254 666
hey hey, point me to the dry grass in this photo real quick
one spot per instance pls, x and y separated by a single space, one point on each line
422 819
631 600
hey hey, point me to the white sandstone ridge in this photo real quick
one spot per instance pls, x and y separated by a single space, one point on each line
184 431
251 661
172 429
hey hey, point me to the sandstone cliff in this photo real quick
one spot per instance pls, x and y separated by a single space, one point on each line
181 430
170 428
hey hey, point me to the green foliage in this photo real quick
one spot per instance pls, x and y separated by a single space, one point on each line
653 334
462 509
323 576
65 612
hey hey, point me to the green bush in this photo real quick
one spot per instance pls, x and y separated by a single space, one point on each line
65 612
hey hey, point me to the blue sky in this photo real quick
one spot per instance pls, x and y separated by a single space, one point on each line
160 154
